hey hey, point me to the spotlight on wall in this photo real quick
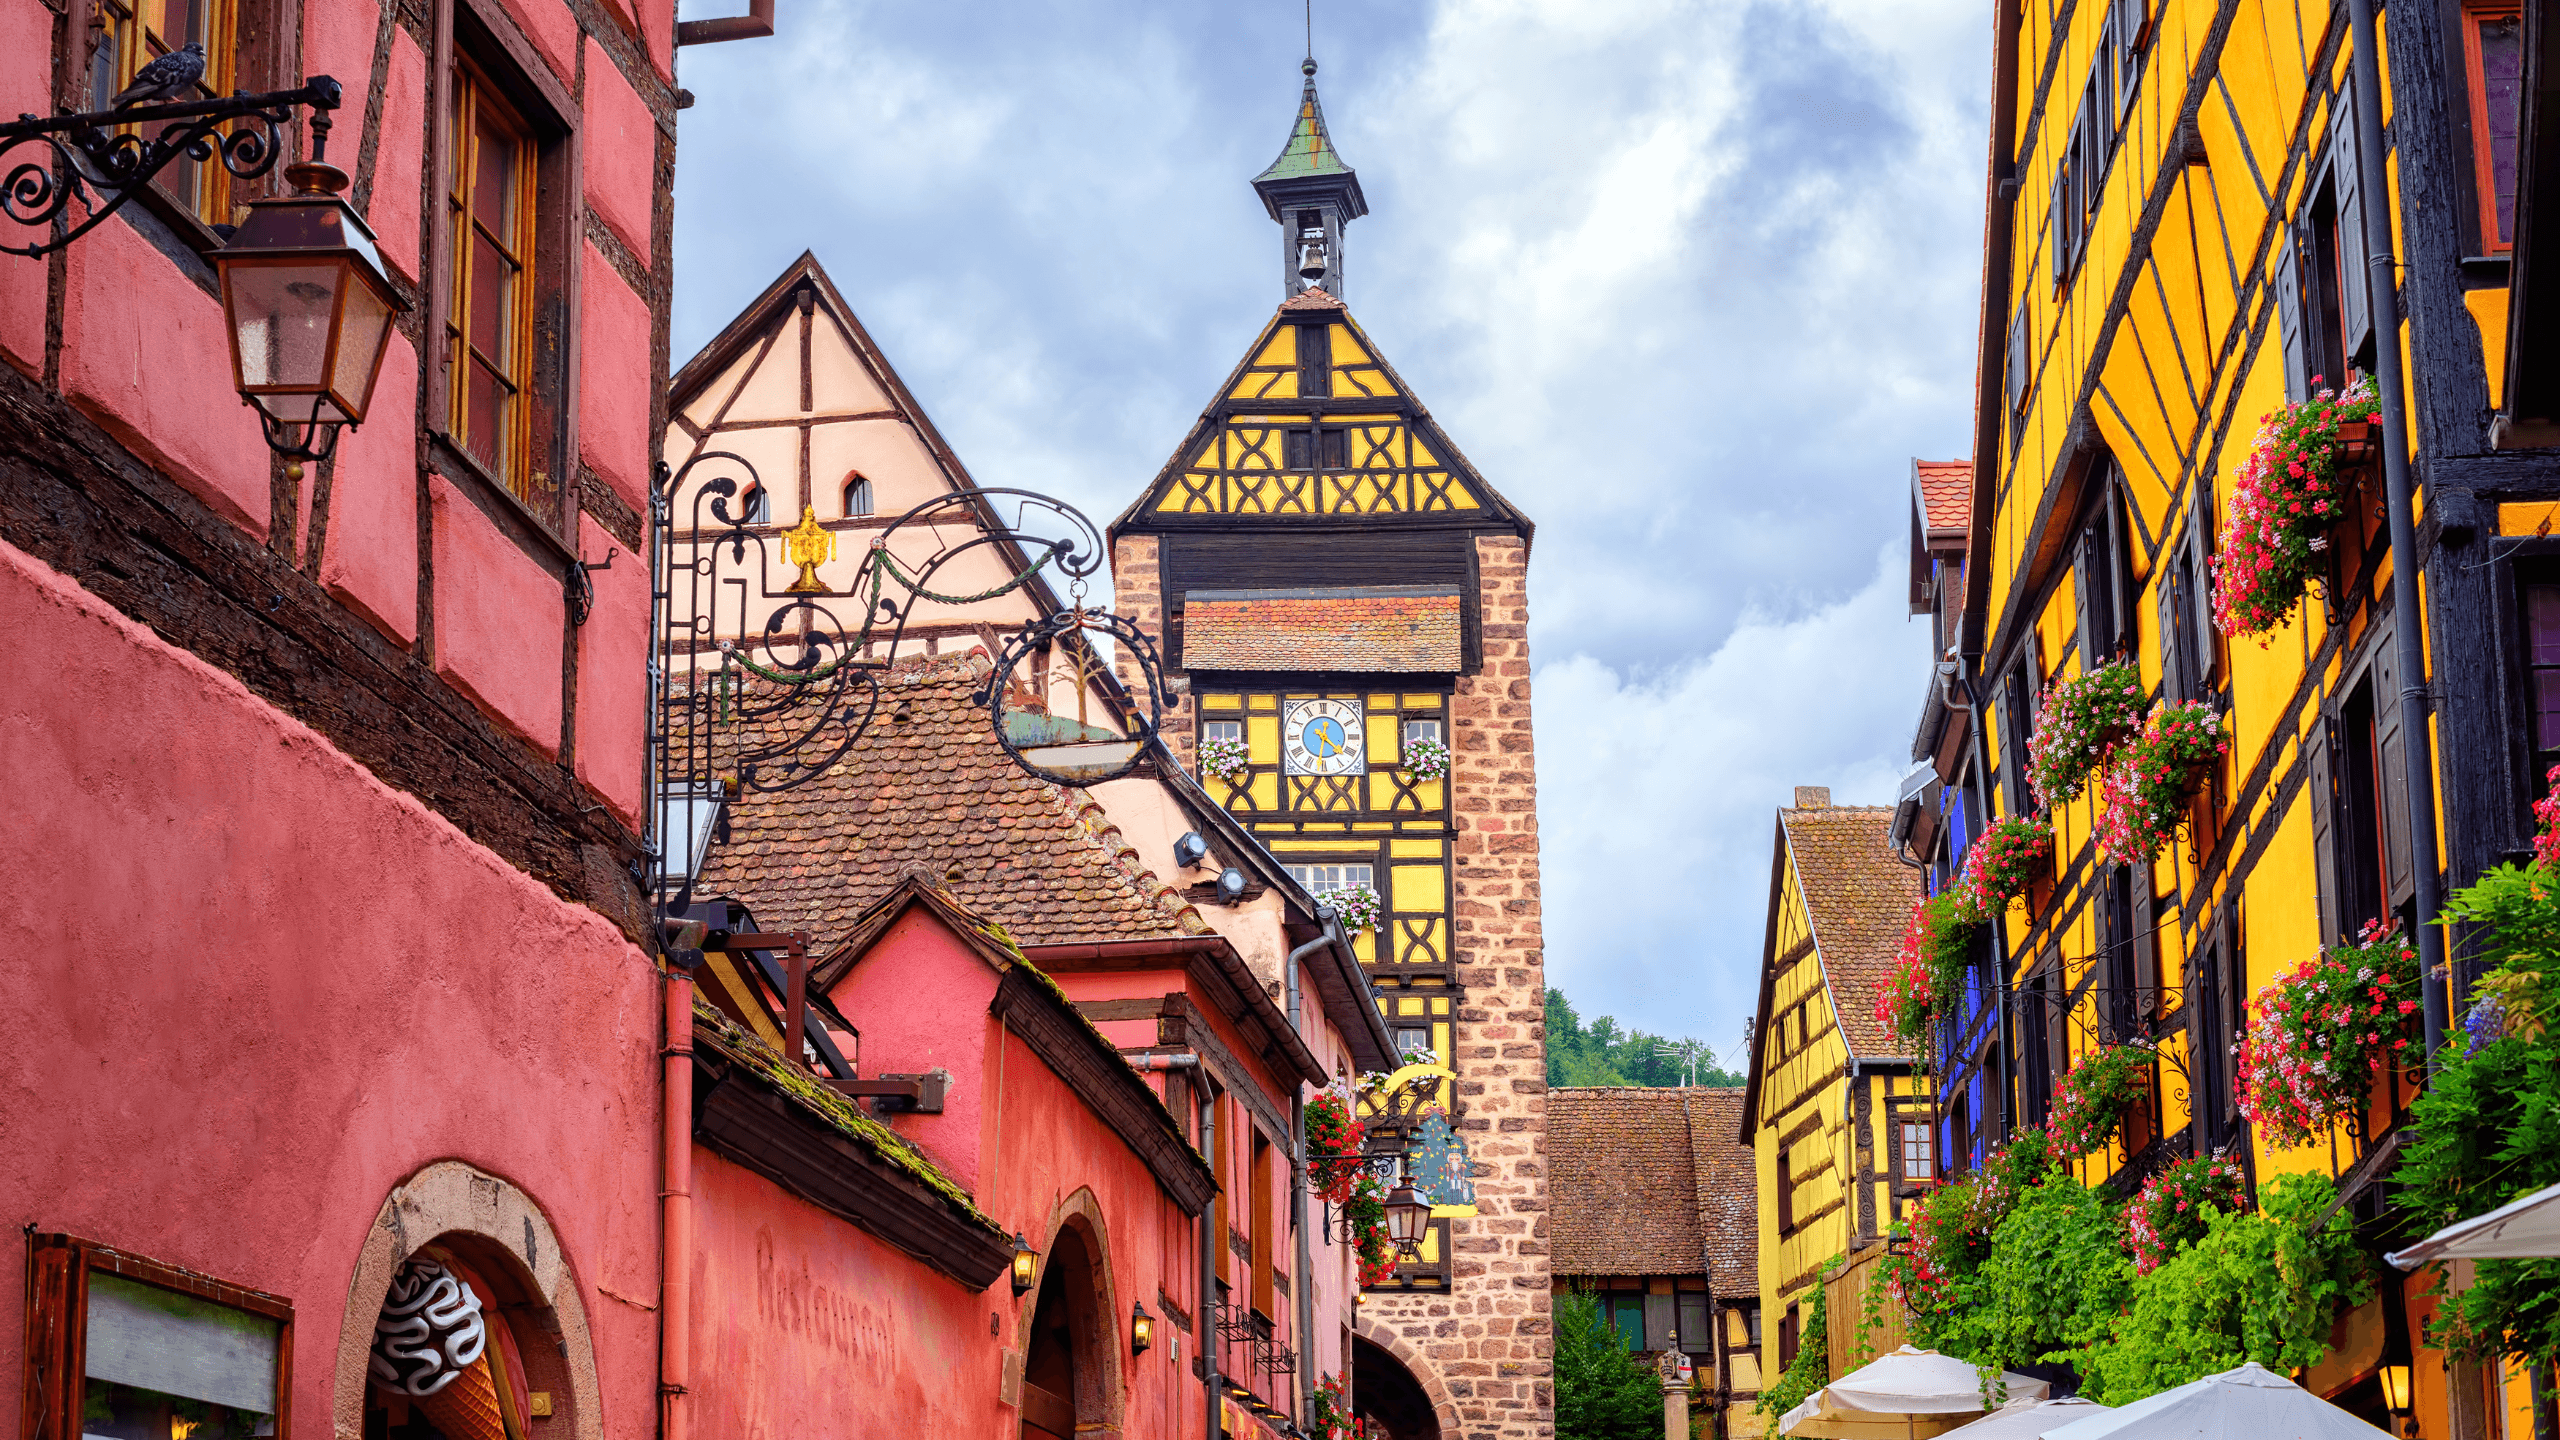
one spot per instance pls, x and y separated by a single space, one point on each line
1190 849
1142 1329
1231 883
1026 1263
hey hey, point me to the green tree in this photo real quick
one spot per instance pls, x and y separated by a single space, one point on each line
1598 1053
1601 1392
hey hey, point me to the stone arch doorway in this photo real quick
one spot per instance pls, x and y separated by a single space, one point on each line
1066 1377
489 1231
1389 1396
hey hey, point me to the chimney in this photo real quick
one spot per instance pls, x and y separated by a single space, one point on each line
1813 797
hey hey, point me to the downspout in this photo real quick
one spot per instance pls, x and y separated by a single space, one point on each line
1208 1309
1302 1292
2364 71
675 1286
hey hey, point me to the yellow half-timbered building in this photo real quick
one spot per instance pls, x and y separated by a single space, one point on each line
1840 1129
2189 204
1340 600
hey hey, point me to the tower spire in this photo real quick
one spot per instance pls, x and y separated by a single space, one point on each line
1311 195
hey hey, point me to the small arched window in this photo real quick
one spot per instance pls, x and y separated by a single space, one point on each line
757 506
857 494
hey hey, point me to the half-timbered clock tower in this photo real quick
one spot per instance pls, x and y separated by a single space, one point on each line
1333 585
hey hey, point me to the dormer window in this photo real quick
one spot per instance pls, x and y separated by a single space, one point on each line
857 495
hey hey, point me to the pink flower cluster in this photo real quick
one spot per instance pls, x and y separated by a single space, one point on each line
2078 727
2144 796
2546 819
2322 1032
2285 495
2169 1213
1999 865
2089 1102
1903 996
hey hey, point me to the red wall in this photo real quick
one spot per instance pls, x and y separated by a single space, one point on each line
262 989
920 997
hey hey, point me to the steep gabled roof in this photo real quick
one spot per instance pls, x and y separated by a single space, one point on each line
1485 508
1623 1180
1728 1192
1857 898
929 788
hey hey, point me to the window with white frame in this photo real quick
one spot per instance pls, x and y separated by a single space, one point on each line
1919 1151
1324 879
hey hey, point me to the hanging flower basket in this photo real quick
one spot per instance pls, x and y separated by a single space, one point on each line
2082 719
1356 906
1902 1002
1927 976
1365 1217
2151 777
2089 1105
2322 1032
1334 1138
2169 1214
1223 759
1426 760
2295 486
2002 863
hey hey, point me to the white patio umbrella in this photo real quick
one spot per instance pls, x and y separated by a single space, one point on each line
1907 1395
2249 1403
2032 1419
2526 1229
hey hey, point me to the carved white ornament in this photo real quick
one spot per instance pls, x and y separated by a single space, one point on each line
430 1330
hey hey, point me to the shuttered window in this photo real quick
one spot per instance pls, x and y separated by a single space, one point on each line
489 201
2355 310
2493 46
2016 367
2542 667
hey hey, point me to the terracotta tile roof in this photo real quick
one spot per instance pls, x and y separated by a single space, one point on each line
929 792
1406 628
1728 1192
1858 897
1311 298
1623 1182
1946 492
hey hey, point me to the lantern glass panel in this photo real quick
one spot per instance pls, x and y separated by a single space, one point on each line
283 314
361 328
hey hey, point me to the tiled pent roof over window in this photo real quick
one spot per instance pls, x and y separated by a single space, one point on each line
1396 629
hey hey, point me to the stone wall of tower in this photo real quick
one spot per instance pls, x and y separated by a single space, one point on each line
1136 569
1488 1340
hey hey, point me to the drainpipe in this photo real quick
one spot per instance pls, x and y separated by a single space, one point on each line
675 1286
1207 1312
2408 644
1302 1292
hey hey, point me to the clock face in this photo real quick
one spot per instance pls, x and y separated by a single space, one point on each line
1321 737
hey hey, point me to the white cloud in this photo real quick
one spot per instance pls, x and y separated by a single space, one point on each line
1657 794
1691 281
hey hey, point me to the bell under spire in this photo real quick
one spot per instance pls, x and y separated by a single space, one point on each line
1311 194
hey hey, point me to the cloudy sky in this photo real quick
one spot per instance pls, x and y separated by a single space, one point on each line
1691 281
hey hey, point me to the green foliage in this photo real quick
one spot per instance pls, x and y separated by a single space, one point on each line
2260 1286
1811 1369
1601 1392
2054 1280
2487 1130
1598 1054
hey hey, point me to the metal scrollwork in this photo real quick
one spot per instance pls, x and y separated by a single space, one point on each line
762 689
79 157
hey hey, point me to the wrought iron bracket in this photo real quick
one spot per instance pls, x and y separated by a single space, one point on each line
95 152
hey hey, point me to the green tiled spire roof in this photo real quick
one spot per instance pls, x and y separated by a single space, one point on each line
1310 150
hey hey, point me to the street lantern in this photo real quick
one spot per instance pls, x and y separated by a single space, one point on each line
309 310
1142 1330
2395 1388
1026 1264
1408 1211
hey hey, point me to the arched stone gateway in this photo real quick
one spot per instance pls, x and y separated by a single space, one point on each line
493 1233
1395 1388
1070 1369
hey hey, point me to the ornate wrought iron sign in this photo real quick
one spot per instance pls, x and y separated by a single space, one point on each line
75 155
762 689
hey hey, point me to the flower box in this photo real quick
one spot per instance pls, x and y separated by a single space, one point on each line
2295 486
2358 442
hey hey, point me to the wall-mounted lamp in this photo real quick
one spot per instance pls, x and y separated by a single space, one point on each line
1231 883
1026 1264
1189 849
1142 1329
2396 1384
309 310
1408 1211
